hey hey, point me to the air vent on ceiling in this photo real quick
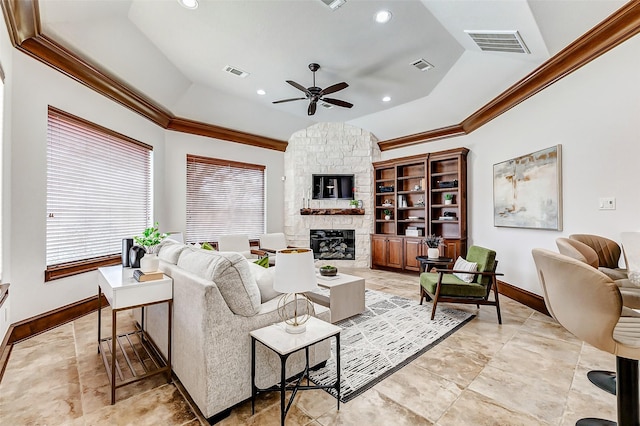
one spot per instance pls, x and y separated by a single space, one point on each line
235 71
326 105
422 65
334 4
499 41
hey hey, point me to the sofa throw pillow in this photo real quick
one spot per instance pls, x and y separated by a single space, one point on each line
264 278
230 273
169 251
463 265
263 261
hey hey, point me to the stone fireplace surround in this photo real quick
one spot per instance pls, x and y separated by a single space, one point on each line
330 148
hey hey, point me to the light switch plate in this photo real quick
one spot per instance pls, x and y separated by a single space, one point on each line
607 203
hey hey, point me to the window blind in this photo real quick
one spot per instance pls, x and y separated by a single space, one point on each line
98 189
223 197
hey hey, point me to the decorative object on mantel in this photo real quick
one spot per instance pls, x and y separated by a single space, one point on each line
306 212
353 204
433 242
150 239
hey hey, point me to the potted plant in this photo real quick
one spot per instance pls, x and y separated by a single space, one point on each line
448 198
353 204
150 239
328 271
433 242
387 214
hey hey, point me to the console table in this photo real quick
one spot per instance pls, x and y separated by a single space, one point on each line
131 356
284 344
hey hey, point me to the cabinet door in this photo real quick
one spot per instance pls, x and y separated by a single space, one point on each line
378 250
454 248
412 248
394 252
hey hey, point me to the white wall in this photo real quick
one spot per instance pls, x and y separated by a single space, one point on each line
595 114
6 49
178 145
34 86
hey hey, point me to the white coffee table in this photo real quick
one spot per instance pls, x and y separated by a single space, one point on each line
346 295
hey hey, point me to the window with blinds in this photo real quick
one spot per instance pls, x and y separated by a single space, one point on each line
223 197
98 189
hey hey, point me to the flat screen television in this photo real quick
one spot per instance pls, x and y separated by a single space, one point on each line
327 187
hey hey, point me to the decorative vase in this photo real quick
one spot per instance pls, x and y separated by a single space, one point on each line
387 217
433 253
135 254
149 263
447 202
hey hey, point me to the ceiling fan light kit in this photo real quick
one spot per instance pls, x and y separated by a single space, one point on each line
315 93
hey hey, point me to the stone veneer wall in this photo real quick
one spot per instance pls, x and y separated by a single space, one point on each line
328 148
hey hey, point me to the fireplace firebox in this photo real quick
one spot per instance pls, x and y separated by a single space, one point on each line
338 244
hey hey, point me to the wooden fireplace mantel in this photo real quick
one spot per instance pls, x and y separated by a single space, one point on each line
307 212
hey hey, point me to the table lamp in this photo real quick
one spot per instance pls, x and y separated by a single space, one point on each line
295 274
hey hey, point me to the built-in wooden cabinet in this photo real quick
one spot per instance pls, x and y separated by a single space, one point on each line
386 251
414 197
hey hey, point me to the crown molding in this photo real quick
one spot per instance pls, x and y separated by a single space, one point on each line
23 21
617 28
193 127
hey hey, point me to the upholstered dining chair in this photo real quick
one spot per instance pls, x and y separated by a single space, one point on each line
464 286
588 304
240 244
271 243
608 252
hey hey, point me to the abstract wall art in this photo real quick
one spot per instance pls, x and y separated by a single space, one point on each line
527 190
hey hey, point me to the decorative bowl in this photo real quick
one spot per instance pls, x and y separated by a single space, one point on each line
328 271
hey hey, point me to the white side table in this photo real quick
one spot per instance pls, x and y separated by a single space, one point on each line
143 359
284 344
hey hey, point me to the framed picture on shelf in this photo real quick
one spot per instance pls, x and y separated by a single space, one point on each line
527 190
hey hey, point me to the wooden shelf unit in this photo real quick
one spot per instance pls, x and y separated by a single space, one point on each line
416 179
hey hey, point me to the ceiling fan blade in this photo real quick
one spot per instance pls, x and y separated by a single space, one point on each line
337 102
334 88
287 100
312 108
299 87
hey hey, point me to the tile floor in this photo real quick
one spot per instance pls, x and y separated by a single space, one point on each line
528 371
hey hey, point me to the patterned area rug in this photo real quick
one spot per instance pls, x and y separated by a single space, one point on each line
391 333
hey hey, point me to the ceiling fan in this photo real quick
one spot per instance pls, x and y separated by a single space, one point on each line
315 94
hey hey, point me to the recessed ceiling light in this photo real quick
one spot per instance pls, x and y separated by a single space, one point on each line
386 99
261 92
382 16
189 4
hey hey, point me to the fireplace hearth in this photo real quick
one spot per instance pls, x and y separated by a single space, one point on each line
337 244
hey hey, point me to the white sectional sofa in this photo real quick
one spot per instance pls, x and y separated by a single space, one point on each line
216 303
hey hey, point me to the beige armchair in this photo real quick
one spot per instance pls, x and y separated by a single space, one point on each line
588 304
585 254
608 252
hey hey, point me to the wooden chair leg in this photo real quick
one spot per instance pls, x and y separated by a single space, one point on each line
433 311
421 294
495 293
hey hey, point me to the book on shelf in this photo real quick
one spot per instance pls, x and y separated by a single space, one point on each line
447 218
140 276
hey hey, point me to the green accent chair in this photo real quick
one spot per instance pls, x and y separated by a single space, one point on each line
444 286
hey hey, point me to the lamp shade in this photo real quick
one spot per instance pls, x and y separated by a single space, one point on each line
295 271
